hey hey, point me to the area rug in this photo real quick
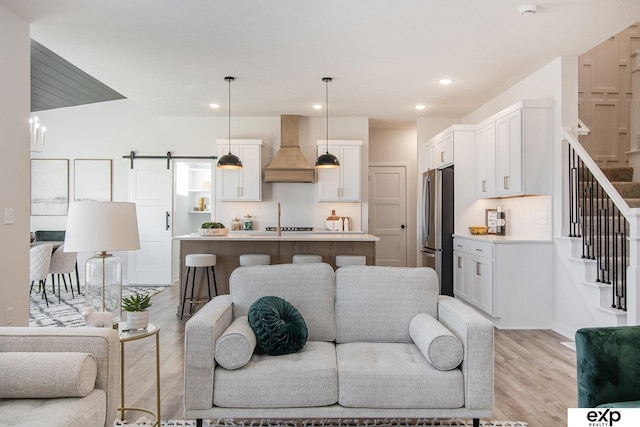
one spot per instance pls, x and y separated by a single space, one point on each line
68 312
329 423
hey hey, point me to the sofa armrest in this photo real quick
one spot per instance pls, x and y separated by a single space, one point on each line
103 343
476 335
200 335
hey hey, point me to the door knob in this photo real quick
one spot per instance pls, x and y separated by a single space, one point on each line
402 226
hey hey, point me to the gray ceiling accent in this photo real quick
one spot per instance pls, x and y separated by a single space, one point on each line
57 83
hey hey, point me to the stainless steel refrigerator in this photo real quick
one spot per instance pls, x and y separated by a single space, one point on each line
437 225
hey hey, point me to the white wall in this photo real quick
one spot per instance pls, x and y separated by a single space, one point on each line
398 147
14 168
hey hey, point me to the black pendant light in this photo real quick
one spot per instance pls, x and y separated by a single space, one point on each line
327 160
229 161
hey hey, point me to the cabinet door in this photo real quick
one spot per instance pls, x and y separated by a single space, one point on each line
349 173
251 187
229 180
509 154
328 184
443 151
461 275
481 281
427 155
340 184
486 160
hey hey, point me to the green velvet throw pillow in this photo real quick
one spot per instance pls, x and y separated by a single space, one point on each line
278 325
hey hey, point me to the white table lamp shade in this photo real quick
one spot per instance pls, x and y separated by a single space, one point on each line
101 227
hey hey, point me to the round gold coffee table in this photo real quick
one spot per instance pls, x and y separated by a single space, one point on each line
134 335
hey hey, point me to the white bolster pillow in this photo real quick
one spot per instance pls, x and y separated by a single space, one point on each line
235 346
46 375
440 347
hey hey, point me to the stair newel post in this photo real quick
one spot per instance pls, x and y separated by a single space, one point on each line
632 295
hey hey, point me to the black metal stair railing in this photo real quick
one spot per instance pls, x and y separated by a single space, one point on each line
604 230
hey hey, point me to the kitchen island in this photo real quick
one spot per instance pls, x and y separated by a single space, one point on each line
281 249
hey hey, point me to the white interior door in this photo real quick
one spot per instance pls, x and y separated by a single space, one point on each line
388 213
150 187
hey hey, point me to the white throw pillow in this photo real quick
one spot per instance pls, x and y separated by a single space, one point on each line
235 346
440 347
46 375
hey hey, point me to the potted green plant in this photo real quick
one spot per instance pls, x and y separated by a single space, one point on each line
136 307
213 229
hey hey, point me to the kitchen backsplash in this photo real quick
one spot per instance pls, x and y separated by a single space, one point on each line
298 208
527 217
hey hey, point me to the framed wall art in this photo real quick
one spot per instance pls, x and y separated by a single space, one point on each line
49 186
491 220
92 180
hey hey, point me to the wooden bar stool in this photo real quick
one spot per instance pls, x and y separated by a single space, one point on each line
346 260
254 259
207 261
306 259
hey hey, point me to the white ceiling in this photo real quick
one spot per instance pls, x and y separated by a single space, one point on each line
171 56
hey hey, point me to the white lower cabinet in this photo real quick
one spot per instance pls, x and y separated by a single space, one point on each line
481 284
508 280
461 268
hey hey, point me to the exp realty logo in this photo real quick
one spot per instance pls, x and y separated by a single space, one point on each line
604 417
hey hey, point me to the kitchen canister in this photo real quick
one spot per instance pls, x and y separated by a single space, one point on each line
247 223
236 224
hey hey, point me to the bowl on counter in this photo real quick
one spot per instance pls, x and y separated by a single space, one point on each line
213 231
478 229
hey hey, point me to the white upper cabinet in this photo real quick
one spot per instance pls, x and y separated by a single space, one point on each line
340 184
513 151
438 152
486 160
442 155
243 184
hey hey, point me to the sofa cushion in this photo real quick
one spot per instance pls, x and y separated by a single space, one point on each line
235 346
438 345
376 304
304 379
88 411
278 325
394 375
46 375
309 287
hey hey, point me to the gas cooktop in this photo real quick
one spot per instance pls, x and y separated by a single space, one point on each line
289 228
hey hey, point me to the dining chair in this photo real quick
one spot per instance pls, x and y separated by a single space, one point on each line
62 263
39 262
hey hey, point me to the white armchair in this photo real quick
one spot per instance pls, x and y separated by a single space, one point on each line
82 389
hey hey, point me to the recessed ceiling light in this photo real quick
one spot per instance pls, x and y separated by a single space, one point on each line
445 82
420 107
528 9
215 105
318 106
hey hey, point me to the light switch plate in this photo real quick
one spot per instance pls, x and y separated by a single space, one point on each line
9 215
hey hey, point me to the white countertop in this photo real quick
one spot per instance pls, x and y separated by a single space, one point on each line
492 238
292 236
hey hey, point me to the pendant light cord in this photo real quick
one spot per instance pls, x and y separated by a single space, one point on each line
229 79
326 106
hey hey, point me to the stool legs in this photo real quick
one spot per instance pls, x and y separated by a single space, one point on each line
192 300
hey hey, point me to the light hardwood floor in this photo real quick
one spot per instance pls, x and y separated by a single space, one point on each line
535 378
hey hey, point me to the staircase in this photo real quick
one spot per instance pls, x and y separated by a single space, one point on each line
621 178
598 242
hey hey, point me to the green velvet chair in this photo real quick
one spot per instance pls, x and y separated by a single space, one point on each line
608 362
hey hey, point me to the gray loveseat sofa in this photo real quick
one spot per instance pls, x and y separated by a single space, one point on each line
59 377
375 337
